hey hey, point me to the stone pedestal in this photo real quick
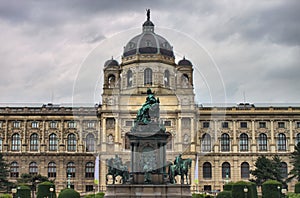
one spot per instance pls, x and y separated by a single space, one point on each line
148 191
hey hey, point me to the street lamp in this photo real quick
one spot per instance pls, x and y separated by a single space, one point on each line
245 191
51 191
278 187
14 191
94 188
18 196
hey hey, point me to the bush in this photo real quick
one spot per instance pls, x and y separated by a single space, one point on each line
297 187
23 191
44 190
228 186
98 195
68 193
238 190
270 189
224 194
5 196
293 195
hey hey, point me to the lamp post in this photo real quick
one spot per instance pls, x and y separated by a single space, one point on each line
14 191
278 187
18 191
51 189
245 191
94 188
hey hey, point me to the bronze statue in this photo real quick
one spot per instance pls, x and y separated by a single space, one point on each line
149 110
183 168
117 168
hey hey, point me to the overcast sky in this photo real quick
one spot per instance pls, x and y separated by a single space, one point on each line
244 48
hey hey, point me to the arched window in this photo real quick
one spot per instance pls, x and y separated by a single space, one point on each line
89 170
129 78
1 144
111 80
71 169
53 142
297 138
34 142
33 168
127 143
225 142
185 79
207 173
167 78
281 142
15 142
245 170
243 142
71 142
148 77
262 142
51 169
14 169
90 143
169 143
206 142
284 170
226 170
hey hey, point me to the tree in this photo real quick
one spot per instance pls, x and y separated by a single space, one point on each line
295 161
4 171
263 170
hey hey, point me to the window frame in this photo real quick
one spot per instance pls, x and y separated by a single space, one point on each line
89 170
15 142
148 76
225 142
207 170
245 170
51 169
281 142
262 142
244 142
71 143
34 142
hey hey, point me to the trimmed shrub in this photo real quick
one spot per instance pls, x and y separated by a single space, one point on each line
270 189
297 187
293 195
228 186
23 191
68 193
44 190
5 196
224 194
238 190
98 195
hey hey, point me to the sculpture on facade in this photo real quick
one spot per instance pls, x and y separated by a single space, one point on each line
117 168
180 167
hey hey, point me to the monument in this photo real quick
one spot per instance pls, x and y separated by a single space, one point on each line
148 176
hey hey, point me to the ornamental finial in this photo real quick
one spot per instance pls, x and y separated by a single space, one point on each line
148 14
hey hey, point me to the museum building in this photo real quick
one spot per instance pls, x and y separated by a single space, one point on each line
62 142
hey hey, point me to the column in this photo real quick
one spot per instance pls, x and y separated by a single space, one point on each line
253 143
43 146
193 139
272 145
61 142
291 143
5 142
234 145
117 134
178 136
24 143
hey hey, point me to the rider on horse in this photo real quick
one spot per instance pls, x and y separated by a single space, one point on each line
143 113
178 162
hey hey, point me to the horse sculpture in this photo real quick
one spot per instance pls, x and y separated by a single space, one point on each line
184 169
117 170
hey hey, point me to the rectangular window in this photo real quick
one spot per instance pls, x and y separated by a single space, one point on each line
91 124
128 123
262 124
71 124
243 124
298 124
89 188
34 125
16 124
281 125
205 124
167 123
53 124
225 125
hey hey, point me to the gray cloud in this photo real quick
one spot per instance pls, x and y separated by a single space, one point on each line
255 44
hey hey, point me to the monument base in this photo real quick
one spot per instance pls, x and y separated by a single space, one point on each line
148 190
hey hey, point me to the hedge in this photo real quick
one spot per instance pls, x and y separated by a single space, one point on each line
23 191
228 186
98 195
297 187
224 194
44 190
238 190
270 189
5 196
68 193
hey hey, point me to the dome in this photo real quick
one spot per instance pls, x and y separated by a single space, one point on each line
111 62
185 62
148 42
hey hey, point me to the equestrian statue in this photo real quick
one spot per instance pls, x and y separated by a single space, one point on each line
117 168
180 167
